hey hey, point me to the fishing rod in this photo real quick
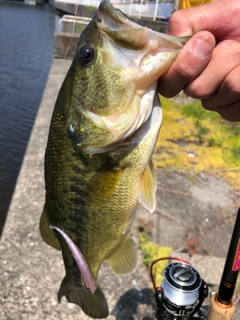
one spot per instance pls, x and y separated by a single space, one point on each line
182 291
221 304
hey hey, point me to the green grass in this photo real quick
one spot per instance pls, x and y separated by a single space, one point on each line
194 139
152 252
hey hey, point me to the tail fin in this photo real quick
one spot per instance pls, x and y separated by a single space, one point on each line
93 304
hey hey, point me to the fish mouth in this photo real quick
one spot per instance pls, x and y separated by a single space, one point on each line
113 17
155 118
140 56
113 22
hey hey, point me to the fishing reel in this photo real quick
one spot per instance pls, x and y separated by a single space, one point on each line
181 293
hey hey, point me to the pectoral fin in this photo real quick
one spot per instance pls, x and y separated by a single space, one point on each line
105 181
47 234
148 187
124 259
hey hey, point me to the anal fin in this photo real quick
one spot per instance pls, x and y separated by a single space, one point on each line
124 259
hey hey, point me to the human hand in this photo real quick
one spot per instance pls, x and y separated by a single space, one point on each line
205 71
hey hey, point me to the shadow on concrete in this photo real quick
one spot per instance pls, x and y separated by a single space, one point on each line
130 301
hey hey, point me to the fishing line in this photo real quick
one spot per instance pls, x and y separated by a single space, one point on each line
68 47
73 26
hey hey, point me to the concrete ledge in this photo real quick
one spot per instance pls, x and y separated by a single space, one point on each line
65 45
71 8
65 41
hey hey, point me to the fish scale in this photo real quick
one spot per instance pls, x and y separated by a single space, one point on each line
98 166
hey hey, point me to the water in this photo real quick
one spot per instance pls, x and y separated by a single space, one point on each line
26 51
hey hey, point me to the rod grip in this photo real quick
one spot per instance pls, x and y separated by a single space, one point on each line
219 311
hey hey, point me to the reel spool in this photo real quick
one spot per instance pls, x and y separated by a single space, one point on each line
181 293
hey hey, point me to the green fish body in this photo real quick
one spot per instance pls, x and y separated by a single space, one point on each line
98 158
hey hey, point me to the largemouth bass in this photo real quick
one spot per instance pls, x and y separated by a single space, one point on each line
98 164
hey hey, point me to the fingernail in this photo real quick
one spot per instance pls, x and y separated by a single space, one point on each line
201 48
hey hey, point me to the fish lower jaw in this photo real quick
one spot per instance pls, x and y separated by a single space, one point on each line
154 119
121 135
156 64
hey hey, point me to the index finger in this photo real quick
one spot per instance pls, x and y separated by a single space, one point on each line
217 17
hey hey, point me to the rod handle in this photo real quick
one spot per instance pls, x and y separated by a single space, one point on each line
220 311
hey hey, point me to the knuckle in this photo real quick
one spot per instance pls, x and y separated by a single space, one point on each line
228 48
207 104
175 19
166 89
232 84
199 89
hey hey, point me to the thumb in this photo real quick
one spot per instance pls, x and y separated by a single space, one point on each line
190 62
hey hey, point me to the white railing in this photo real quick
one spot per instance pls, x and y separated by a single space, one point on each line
135 8
145 8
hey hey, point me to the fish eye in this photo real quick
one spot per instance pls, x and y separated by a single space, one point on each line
86 54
